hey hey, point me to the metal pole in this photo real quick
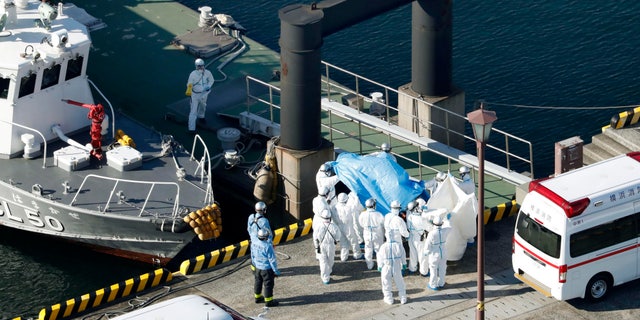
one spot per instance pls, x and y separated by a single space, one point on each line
480 271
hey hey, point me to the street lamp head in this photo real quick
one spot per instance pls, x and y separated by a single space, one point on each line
481 121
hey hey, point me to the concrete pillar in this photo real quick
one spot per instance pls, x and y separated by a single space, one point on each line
416 115
298 170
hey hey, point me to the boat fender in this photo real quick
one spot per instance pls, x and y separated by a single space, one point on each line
263 189
206 222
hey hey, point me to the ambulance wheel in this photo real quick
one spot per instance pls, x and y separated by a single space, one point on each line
598 287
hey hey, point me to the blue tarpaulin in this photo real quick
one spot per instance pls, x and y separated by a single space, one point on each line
377 176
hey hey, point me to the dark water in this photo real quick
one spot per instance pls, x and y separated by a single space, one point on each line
552 54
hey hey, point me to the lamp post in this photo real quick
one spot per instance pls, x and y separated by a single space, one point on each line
481 121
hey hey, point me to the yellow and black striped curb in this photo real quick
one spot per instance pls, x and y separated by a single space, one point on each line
501 211
211 259
105 295
625 118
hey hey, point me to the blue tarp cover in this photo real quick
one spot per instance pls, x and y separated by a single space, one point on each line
377 176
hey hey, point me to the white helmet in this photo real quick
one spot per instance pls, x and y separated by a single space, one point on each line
343 197
437 221
385 147
327 169
441 176
323 191
325 214
370 203
395 204
263 234
261 207
199 63
463 170
411 205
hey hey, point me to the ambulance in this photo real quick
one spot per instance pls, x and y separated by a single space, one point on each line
577 234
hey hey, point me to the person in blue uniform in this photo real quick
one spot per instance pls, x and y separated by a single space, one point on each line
263 257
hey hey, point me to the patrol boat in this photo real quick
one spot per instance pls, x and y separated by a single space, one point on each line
78 170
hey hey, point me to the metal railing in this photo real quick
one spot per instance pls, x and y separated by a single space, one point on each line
505 153
116 182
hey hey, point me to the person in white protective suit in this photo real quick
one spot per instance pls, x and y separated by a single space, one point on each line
198 87
325 237
432 185
435 250
345 219
469 187
466 184
372 223
392 260
326 177
394 226
356 209
417 236
319 204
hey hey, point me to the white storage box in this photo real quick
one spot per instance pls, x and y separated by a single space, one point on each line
71 158
124 158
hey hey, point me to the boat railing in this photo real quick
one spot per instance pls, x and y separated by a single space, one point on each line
118 181
44 141
205 160
334 90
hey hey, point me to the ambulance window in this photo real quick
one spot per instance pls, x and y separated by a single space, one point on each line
27 85
603 236
4 88
50 76
74 68
538 236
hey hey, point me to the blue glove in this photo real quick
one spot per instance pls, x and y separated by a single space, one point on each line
404 267
379 269
449 216
277 273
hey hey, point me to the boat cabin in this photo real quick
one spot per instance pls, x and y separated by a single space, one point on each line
43 61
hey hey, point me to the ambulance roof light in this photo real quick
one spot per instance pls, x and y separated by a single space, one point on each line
571 209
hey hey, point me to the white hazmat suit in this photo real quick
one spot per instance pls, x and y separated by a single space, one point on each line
325 177
394 227
372 223
391 259
345 220
435 250
417 236
325 237
200 81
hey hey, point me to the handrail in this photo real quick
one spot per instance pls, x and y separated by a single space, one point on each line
205 159
332 88
118 180
44 157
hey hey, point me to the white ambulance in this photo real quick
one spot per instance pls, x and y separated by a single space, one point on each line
577 234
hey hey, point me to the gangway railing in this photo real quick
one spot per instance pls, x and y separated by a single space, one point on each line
387 124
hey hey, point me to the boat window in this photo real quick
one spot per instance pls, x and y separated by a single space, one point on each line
27 85
538 236
74 68
50 76
4 88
